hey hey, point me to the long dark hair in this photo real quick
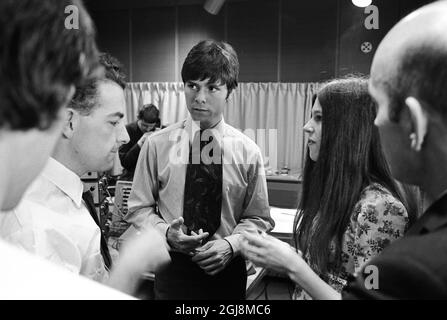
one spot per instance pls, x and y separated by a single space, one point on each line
350 158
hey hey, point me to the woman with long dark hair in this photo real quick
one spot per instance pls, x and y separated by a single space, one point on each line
350 209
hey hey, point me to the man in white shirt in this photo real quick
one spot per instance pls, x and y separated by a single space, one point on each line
39 74
53 221
35 88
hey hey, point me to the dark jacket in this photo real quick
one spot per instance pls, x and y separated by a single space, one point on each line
129 152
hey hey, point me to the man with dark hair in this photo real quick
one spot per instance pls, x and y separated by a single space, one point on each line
64 232
41 63
148 122
35 88
408 81
198 190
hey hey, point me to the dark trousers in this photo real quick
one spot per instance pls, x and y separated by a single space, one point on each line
183 279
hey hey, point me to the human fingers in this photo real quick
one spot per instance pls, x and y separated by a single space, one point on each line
203 255
256 239
254 250
195 240
206 246
188 243
177 223
255 259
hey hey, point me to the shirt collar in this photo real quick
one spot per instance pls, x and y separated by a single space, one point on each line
65 179
192 127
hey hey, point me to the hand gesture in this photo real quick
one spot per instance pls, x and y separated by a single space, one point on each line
179 241
213 256
268 252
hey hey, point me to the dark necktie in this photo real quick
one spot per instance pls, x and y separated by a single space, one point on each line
88 199
203 187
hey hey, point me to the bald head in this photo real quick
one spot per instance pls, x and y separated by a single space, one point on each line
412 60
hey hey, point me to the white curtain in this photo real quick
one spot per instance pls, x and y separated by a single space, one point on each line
272 114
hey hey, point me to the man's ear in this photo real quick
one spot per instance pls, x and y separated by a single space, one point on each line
71 122
419 119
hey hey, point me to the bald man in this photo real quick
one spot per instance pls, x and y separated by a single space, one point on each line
409 83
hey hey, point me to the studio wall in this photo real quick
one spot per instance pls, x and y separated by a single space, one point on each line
277 40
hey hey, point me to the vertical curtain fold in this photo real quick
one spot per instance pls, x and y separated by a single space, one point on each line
261 110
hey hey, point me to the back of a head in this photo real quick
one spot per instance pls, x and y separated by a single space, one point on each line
412 61
85 97
41 60
216 60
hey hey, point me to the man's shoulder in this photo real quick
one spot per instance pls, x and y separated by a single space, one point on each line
412 267
237 136
163 134
417 245
414 253
45 198
40 189
28 218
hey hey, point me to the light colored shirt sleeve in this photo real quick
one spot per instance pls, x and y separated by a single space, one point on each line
143 197
256 210
27 276
20 229
37 230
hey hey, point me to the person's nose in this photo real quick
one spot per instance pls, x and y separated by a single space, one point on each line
200 97
378 120
123 136
308 127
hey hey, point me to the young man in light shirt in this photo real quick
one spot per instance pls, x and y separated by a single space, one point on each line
202 206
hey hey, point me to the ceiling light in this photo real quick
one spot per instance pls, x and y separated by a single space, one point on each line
361 3
213 6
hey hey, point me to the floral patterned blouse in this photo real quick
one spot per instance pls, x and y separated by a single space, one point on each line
378 219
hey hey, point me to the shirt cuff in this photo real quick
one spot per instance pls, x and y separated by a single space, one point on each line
235 242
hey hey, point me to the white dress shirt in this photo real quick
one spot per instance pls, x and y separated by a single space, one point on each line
53 222
26 276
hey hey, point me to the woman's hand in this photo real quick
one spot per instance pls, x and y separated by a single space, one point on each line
270 253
